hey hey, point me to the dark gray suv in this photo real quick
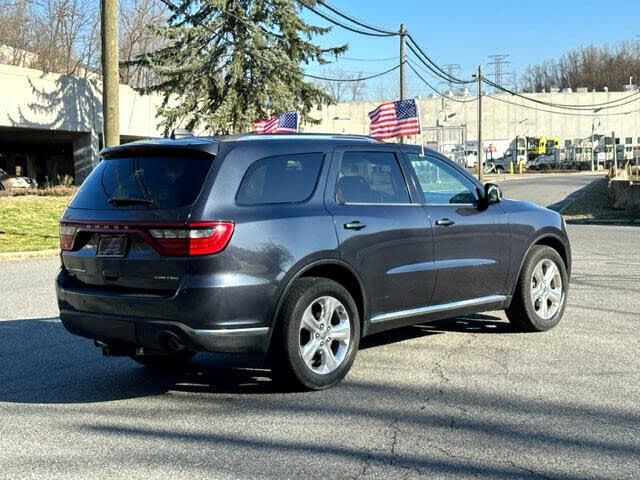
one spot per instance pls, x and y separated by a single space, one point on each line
296 246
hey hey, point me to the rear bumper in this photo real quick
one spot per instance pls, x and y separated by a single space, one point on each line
229 319
151 334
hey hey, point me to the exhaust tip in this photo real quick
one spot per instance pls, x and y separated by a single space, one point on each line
172 342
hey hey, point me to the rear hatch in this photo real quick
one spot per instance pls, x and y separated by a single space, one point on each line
128 228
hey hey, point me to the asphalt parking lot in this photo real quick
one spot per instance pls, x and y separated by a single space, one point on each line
463 398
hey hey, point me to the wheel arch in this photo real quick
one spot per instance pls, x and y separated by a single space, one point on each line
336 270
548 239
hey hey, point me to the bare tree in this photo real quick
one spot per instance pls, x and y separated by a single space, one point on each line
383 91
66 36
16 32
138 35
344 87
63 36
591 66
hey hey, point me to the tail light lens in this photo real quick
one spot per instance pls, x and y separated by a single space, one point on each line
67 236
180 239
200 238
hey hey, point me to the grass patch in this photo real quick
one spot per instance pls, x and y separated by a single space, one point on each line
30 223
595 204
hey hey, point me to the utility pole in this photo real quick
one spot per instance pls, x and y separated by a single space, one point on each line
403 84
615 154
110 72
593 146
479 78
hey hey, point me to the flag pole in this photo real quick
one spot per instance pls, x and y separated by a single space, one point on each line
420 127
297 121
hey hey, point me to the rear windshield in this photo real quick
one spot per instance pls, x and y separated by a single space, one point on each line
146 182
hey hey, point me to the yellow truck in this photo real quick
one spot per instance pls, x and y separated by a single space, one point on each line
541 146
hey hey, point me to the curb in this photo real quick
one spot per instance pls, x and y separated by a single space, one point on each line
530 176
8 256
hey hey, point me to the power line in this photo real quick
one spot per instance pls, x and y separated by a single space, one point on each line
196 21
353 19
574 114
428 65
351 59
342 25
424 58
450 67
410 63
361 79
600 106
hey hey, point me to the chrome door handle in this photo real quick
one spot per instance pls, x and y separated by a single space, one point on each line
445 222
355 225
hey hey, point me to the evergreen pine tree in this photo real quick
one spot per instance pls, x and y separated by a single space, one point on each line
226 63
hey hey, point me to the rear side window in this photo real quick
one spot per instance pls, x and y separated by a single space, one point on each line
371 177
146 182
281 179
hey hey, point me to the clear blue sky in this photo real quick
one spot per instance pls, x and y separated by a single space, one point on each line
467 32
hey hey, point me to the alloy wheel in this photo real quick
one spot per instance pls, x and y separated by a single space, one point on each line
325 335
546 289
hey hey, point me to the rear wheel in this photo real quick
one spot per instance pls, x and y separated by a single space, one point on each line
165 361
318 335
540 296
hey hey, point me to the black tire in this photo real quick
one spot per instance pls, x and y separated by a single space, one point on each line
500 169
289 368
522 312
164 361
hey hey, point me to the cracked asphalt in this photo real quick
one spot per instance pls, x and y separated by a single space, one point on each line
463 398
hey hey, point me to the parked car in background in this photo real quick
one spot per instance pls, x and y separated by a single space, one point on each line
543 162
500 164
295 246
11 182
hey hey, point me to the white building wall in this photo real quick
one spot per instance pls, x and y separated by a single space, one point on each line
31 99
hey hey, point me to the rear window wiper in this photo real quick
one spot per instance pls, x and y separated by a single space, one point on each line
116 201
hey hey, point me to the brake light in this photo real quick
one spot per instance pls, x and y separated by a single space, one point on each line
199 238
67 236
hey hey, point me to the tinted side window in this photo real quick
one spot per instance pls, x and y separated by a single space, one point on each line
282 179
440 182
371 177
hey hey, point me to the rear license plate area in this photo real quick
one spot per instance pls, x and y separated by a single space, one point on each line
112 246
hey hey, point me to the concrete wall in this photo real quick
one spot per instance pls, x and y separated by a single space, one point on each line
32 99
502 120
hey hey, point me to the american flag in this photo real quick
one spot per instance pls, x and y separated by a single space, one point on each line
285 123
395 119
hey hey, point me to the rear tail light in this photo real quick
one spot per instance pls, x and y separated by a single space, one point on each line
201 238
67 236
179 239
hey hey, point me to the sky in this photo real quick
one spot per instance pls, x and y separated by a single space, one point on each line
467 32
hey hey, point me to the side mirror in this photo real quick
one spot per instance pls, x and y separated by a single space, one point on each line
492 193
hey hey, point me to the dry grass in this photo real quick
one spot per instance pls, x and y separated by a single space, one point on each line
30 223
57 191
595 204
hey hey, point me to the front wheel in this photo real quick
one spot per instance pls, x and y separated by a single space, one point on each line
317 336
541 292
